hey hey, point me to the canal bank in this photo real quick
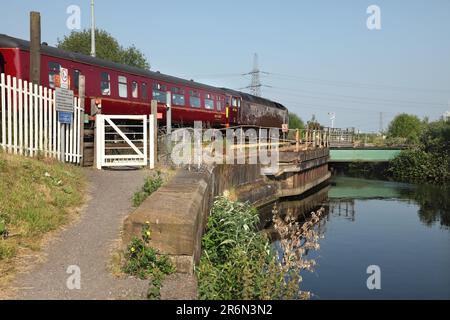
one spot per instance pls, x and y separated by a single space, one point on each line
177 213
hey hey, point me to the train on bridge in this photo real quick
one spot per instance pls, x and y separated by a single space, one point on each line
121 89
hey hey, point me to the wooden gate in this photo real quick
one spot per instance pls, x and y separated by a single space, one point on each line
121 140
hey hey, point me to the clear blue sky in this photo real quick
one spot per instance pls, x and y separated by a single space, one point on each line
321 55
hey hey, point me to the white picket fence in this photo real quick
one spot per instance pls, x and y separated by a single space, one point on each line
29 122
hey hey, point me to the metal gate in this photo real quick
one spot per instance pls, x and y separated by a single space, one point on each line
121 140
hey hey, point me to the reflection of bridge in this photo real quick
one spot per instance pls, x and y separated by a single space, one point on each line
363 154
354 188
342 208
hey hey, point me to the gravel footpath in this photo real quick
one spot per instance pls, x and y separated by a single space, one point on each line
87 243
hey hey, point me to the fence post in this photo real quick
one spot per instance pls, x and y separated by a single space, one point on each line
151 124
154 111
99 135
82 91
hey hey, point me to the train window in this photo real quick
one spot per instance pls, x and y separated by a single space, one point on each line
209 103
177 90
159 93
76 79
219 103
194 99
178 97
134 89
123 87
144 90
105 84
53 70
236 102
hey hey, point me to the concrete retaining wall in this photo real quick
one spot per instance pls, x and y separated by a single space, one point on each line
178 211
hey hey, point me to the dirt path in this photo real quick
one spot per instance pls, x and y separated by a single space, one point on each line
87 244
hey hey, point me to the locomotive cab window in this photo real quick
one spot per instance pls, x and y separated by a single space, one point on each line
194 99
209 102
105 84
134 89
159 93
123 87
53 70
236 102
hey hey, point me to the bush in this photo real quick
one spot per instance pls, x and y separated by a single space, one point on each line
420 166
429 161
238 261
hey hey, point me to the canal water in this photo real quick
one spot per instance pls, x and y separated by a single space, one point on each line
402 229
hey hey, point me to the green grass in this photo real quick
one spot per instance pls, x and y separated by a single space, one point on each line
36 197
151 184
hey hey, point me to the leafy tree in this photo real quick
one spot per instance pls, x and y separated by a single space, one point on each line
427 161
408 127
107 47
313 124
436 138
295 122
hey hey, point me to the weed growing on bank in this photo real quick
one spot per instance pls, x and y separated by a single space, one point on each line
238 262
144 262
151 184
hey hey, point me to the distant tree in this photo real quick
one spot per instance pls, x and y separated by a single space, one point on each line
406 126
106 47
295 122
313 124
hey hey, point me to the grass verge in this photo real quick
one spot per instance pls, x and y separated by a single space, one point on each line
36 197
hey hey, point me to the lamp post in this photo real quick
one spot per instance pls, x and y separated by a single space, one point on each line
92 29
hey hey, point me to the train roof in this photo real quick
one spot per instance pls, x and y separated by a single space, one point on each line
255 99
11 42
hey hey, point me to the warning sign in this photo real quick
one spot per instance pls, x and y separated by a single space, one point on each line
285 127
64 78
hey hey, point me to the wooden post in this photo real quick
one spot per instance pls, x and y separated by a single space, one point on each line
154 111
99 136
82 92
297 140
35 47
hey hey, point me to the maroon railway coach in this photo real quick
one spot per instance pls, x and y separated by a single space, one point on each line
128 90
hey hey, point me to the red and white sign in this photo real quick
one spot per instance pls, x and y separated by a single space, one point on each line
64 78
285 127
